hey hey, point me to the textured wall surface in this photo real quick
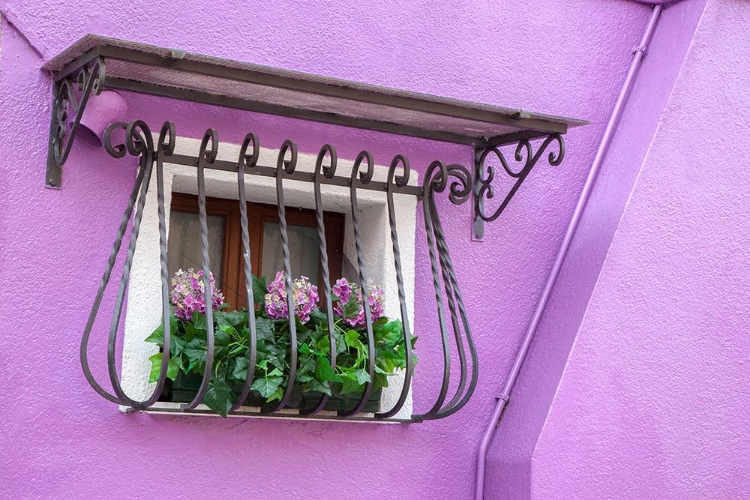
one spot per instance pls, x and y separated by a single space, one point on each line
61 440
653 402
509 460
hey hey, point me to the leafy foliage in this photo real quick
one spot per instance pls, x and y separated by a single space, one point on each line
315 374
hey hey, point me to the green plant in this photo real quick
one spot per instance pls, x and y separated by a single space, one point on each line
314 374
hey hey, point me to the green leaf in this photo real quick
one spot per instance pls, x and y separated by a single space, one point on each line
277 395
351 308
351 338
157 336
239 372
172 368
362 376
315 385
324 371
380 381
178 345
305 349
275 373
195 352
264 329
231 318
349 383
219 396
266 386
319 316
199 321
259 289
340 343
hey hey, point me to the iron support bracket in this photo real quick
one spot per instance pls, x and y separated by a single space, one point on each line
70 95
523 160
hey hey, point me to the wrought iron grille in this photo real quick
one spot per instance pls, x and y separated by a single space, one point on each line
454 180
95 63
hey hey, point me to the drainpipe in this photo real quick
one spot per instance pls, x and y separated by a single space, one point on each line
503 398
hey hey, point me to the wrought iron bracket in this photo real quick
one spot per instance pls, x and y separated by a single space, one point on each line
523 161
70 94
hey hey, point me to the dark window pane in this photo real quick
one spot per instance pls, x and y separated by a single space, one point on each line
185 243
303 251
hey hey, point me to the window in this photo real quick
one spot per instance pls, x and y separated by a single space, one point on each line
225 242
141 317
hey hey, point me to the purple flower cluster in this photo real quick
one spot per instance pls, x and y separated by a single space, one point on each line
343 291
304 293
188 293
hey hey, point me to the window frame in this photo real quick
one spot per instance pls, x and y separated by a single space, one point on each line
232 272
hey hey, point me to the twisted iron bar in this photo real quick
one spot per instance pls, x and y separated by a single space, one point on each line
248 161
523 155
399 181
365 178
327 151
207 155
460 190
436 181
286 167
138 142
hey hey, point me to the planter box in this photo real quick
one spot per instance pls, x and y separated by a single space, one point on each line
184 389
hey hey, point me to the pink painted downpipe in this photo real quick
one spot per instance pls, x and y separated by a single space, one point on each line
503 398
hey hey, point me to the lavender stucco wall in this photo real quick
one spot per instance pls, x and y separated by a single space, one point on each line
653 401
61 440
510 458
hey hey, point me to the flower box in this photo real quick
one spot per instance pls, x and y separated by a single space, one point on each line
184 388
318 338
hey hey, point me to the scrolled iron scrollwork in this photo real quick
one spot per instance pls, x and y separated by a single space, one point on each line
525 157
70 101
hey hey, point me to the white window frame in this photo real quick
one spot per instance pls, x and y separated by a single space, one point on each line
143 313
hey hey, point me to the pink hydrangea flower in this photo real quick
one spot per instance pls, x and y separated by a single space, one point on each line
304 293
343 291
188 293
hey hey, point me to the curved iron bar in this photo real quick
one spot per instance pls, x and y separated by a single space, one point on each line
206 156
89 79
364 177
117 152
436 180
138 142
456 404
459 193
287 167
400 181
523 154
244 161
329 171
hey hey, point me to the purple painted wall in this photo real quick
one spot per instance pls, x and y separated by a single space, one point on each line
61 440
510 460
653 401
